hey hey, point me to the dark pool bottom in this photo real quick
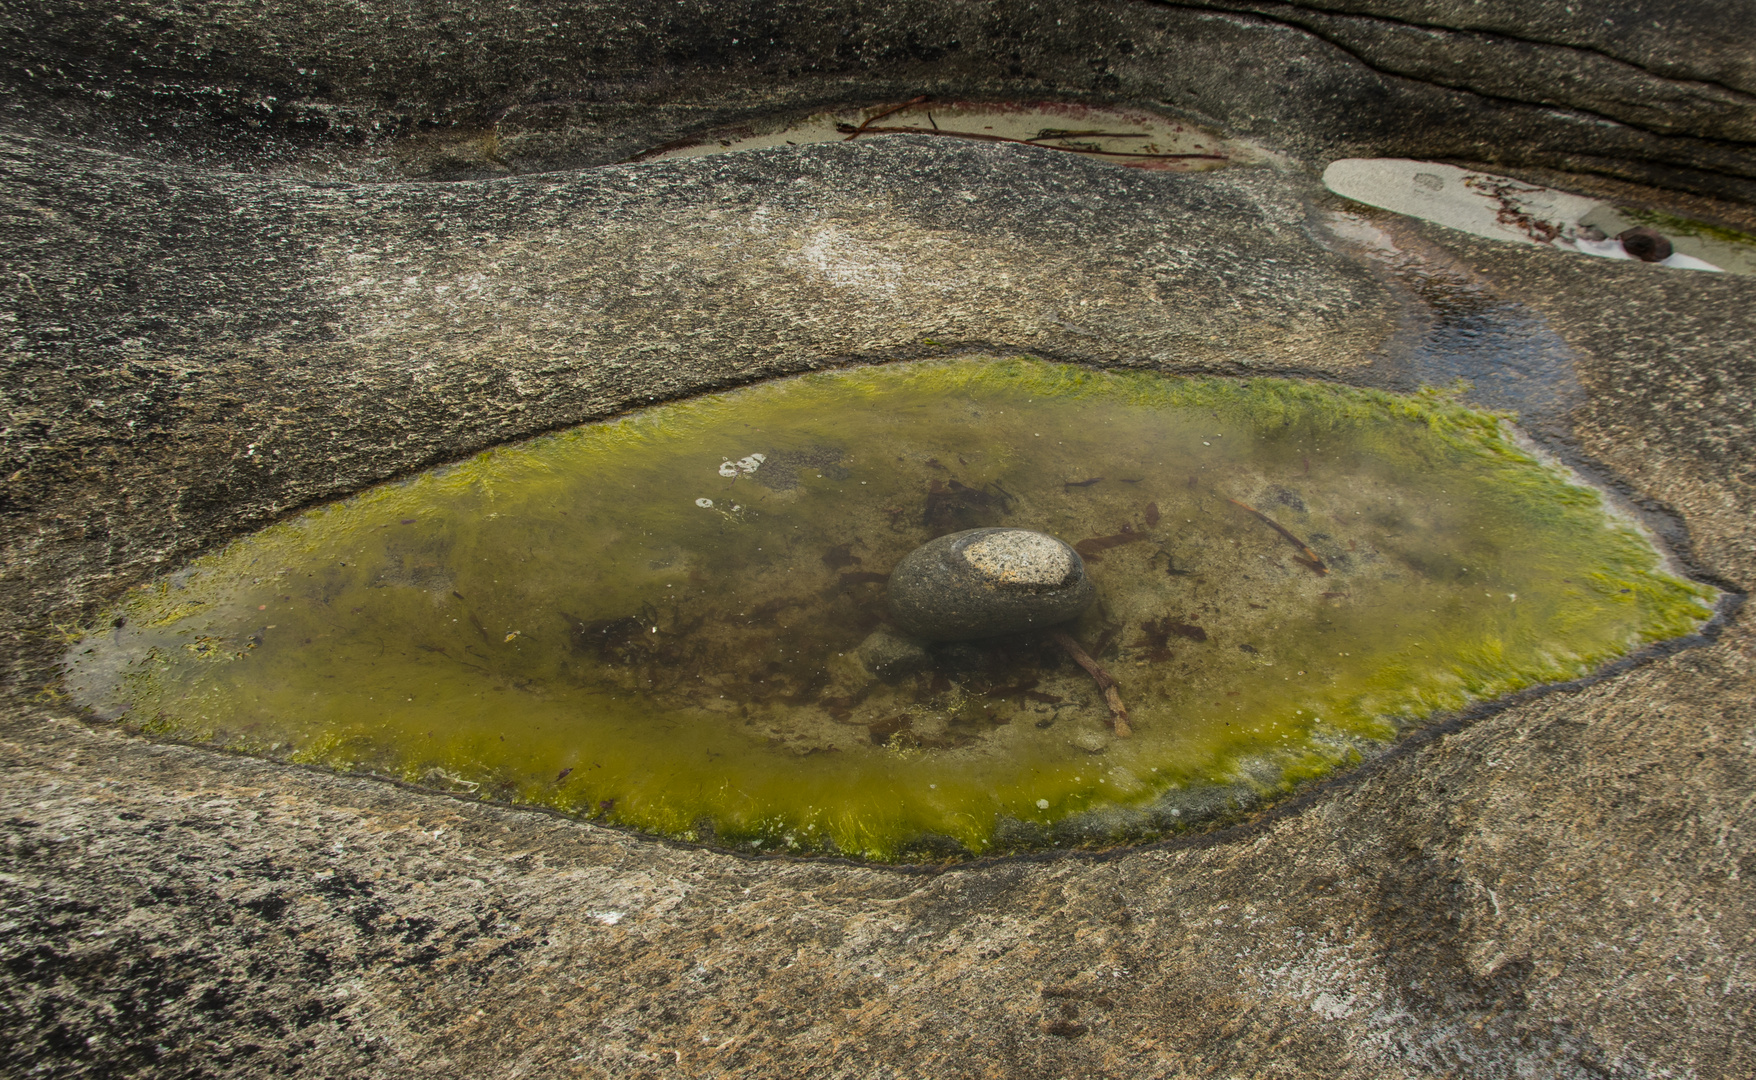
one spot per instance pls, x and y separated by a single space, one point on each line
661 621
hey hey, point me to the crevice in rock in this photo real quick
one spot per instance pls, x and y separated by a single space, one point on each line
1478 32
1266 12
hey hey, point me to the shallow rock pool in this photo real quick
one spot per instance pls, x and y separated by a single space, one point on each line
672 621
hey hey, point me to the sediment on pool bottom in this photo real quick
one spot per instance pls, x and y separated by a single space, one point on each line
669 621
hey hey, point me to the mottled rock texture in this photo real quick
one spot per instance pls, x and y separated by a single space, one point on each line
983 582
227 299
1661 93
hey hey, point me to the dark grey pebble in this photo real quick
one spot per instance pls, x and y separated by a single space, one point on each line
986 582
1646 244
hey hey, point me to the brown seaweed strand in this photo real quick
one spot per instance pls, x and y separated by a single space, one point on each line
852 131
1118 712
1315 562
855 132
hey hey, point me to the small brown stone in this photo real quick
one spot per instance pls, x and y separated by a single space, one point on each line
1645 244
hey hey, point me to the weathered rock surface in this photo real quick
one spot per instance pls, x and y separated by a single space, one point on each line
985 582
448 90
208 326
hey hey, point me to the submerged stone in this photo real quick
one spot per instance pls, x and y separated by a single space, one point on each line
986 582
890 655
622 622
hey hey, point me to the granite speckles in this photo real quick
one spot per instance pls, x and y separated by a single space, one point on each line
1017 557
985 582
244 918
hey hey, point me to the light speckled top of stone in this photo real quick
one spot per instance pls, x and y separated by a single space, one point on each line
1019 557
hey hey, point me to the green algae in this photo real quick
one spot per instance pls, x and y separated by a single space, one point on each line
1672 225
656 621
1728 249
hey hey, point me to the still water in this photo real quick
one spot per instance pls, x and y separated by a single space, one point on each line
657 621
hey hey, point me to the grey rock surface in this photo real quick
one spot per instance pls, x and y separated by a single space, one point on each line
213 319
450 90
985 582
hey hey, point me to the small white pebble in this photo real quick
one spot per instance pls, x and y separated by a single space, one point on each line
705 504
1042 804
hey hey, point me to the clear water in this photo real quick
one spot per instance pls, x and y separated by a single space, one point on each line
622 621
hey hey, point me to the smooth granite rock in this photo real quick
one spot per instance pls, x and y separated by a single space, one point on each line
455 90
215 316
986 582
213 351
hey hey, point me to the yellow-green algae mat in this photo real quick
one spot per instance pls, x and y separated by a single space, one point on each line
658 621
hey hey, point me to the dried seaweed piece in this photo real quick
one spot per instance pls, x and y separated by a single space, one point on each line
1092 547
1060 133
1106 683
853 132
1310 560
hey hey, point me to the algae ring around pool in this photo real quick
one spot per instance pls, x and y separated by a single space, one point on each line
656 621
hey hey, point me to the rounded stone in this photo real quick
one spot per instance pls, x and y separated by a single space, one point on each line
1646 244
986 582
